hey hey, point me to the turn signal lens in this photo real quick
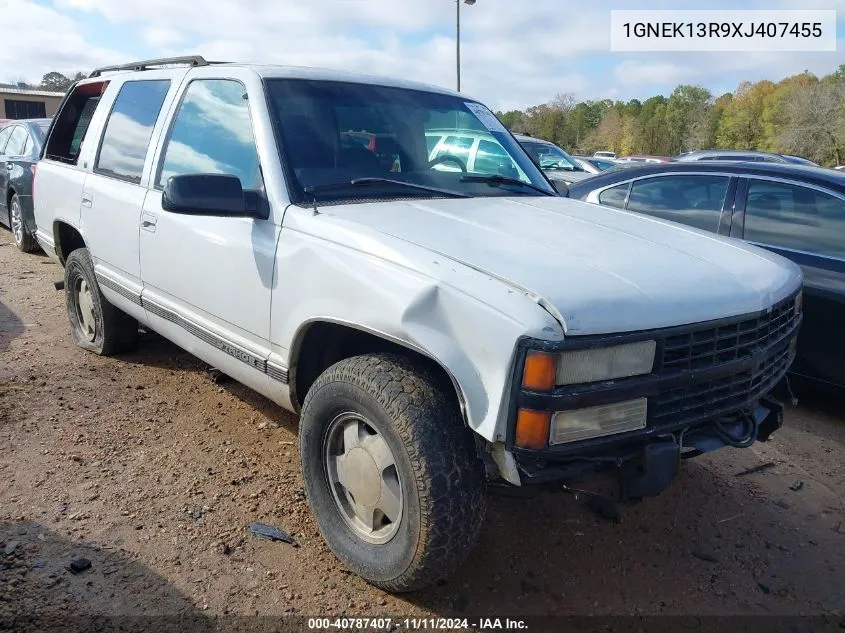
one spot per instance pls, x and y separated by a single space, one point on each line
532 428
540 371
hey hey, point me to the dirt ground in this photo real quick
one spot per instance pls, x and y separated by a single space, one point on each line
152 470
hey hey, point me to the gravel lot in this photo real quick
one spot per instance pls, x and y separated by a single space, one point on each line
152 469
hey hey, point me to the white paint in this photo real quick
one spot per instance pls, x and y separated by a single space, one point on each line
458 280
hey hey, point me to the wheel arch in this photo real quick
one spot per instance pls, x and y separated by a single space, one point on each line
321 342
67 239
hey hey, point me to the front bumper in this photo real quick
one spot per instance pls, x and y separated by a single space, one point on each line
705 375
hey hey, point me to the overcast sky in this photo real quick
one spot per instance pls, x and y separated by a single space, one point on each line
516 53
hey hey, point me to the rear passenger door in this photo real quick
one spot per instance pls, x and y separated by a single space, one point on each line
113 193
807 225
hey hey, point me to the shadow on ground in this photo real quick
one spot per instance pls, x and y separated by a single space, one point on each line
39 593
11 327
705 543
156 351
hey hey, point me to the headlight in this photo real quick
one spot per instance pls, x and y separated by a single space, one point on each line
605 363
607 419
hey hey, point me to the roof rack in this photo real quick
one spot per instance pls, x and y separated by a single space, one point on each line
187 60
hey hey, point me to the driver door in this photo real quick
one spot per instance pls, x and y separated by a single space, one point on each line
208 280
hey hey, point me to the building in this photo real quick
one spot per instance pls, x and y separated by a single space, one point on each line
23 103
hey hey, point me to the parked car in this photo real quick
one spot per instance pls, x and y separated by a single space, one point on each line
733 156
610 155
800 160
433 329
20 145
599 163
556 163
460 150
797 212
644 159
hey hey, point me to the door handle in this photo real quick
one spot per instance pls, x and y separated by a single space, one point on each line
87 200
148 222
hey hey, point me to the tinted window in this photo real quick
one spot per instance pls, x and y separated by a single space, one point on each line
129 128
493 159
16 142
693 200
212 134
797 217
615 197
4 138
72 122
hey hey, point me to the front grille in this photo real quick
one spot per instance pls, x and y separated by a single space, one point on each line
714 345
712 398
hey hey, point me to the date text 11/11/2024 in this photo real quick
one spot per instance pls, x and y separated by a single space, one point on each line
416 624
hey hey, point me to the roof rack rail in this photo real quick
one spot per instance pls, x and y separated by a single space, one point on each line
187 60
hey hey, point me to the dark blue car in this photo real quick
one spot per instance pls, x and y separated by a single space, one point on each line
797 212
20 147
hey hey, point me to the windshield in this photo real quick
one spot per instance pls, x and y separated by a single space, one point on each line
551 157
400 142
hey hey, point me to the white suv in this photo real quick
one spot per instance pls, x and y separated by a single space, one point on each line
437 330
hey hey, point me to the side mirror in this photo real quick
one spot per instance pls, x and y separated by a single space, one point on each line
561 187
207 194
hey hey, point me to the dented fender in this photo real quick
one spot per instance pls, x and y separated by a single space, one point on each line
467 321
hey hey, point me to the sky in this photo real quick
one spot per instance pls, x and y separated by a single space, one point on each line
515 53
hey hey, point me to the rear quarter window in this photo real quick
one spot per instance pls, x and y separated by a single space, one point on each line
72 122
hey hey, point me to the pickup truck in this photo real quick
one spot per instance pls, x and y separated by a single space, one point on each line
437 330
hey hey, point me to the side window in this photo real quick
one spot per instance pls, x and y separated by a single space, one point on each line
694 200
792 216
493 159
129 128
212 134
4 138
16 142
72 122
615 197
27 146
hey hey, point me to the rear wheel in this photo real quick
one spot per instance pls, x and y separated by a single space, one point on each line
95 323
23 239
391 473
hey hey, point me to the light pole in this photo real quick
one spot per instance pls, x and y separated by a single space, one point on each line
458 35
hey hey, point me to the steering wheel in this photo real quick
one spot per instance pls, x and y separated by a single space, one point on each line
448 158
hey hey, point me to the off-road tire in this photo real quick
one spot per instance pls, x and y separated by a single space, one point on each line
115 331
441 474
27 243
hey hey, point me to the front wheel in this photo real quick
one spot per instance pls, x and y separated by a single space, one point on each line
391 473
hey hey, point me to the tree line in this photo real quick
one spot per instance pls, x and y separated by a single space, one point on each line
53 80
803 115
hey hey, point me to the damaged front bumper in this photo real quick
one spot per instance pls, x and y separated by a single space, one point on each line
709 389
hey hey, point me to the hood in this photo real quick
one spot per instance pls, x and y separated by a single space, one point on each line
567 176
597 270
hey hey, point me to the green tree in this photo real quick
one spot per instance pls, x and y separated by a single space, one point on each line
55 81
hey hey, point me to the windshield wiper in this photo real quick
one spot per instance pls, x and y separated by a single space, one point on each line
366 182
496 180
